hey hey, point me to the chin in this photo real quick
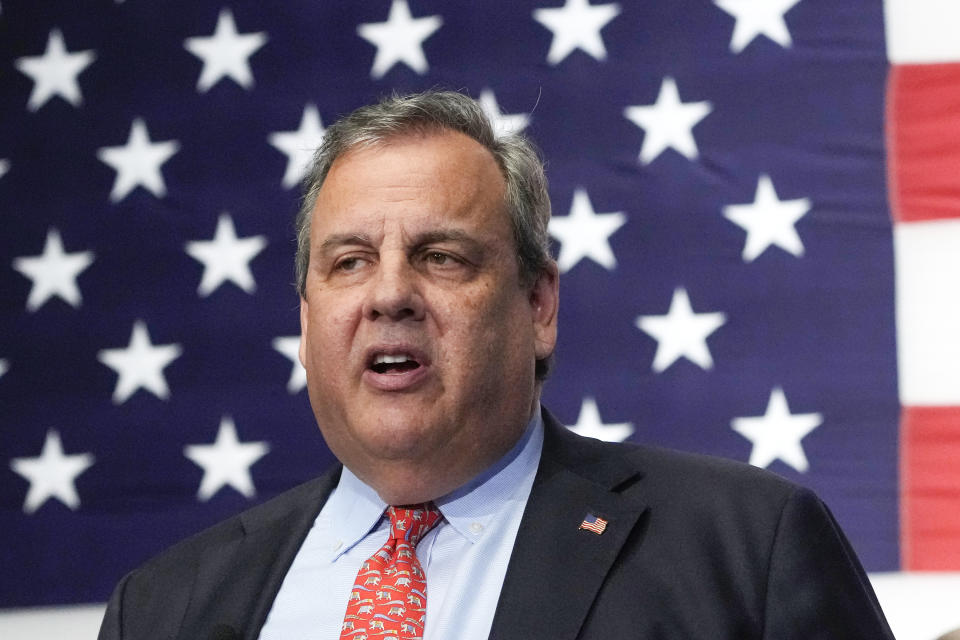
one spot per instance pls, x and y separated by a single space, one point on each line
395 439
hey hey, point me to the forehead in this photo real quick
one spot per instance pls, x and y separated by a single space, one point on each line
443 174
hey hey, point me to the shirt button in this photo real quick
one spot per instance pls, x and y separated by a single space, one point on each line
337 546
476 527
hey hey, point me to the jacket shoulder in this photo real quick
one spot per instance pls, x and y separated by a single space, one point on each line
154 600
693 471
720 549
673 473
184 556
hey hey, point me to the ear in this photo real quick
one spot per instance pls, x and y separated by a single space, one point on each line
304 324
544 303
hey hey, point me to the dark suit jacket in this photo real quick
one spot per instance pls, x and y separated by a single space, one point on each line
696 547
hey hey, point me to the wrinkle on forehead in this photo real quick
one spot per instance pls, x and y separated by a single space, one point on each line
445 184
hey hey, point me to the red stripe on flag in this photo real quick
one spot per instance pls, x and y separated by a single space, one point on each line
923 141
930 486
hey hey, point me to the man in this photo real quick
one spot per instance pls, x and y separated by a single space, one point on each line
462 509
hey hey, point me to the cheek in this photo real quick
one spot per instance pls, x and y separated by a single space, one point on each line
488 327
332 324
466 312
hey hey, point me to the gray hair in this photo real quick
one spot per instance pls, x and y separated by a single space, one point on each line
526 199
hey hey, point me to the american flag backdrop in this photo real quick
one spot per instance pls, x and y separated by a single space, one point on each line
757 219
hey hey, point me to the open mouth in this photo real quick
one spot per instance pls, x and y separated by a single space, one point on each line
395 364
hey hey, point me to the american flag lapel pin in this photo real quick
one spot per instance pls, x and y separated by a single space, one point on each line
593 523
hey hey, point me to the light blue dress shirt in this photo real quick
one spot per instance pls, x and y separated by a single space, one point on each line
465 556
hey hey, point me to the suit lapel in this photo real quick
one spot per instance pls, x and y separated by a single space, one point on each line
556 568
240 580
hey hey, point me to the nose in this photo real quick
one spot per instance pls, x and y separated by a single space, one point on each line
394 291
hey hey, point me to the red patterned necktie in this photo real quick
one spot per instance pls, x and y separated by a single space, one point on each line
389 596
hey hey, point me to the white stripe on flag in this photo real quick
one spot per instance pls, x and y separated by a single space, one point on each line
928 311
921 31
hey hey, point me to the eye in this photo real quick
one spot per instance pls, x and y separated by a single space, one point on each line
441 260
350 263
438 258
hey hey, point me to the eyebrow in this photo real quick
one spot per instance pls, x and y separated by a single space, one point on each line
341 239
417 241
446 235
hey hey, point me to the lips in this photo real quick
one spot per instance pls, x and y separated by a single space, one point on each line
395 367
394 364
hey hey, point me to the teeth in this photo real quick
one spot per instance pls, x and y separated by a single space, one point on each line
385 359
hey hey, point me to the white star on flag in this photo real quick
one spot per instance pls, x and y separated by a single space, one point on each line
299 145
768 221
54 272
755 18
55 72
502 123
576 25
52 474
289 346
668 123
681 333
399 39
140 365
590 425
226 257
226 462
4 167
4 366
777 433
137 163
585 234
225 54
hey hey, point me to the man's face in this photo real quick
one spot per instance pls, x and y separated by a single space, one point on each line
419 339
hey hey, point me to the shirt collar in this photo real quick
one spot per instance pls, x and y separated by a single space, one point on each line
354 508
352 511
472 508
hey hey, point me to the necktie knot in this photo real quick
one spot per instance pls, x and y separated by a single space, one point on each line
410 524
